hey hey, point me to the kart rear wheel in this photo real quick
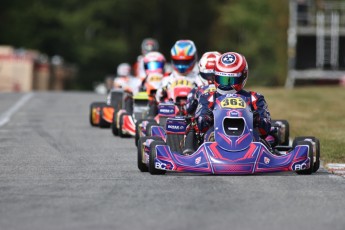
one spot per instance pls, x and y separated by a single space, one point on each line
152 168
148 127
286 131
102 123
114 129
137 131
140 151
310 155
176 142
93 108
316 149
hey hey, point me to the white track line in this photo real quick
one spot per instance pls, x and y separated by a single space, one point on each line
6 116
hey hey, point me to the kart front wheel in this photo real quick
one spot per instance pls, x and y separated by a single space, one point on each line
140 152
121 134
152 168
137 131
316 149
310 155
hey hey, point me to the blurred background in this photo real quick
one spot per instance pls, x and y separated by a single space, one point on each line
72 44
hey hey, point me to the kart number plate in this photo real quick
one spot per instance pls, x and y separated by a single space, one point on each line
233 103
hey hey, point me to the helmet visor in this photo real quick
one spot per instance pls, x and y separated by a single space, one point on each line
154 65
227 81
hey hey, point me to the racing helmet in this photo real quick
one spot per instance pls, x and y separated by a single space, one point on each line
206 66
183 56
231 71
148 45
124 69
154 62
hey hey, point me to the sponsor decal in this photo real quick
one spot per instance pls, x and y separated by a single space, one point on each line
159 165
234 114
198 160
233 103
300 166
267 160
176 127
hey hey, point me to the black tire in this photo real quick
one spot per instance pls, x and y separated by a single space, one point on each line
141 166
103 123
152 168
137 136
93 106
114 129
148 127
191 143
316 165
175 142
121 124
310 155
286 140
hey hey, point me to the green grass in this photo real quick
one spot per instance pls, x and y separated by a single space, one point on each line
312 111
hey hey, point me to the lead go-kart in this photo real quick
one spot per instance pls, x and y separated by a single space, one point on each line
236 148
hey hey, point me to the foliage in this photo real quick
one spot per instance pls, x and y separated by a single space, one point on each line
257 29
98 35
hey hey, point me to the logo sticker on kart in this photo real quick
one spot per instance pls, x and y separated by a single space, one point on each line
267 160
198 160
233 103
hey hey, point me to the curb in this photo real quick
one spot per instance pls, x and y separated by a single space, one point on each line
338 169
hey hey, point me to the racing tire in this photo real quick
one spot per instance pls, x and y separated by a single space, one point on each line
191 143
176 142
152 169
140 149
114 129
93 106
137 133
103 123
316 150
148 127
310 155
286 140
121 134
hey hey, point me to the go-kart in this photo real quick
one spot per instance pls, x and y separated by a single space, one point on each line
177 94
124 120
101 113
236 148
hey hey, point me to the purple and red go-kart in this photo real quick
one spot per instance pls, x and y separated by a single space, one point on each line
234 150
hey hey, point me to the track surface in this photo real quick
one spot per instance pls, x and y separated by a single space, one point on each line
57 172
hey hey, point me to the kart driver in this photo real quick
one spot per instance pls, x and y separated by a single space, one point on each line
206 77
231 74
147 45
124 79
183 59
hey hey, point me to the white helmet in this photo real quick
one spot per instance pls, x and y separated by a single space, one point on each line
206 66
124 69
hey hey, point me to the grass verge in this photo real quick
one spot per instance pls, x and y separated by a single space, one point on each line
312 111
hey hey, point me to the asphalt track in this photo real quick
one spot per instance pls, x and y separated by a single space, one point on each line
57 172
